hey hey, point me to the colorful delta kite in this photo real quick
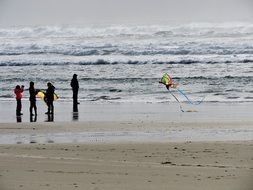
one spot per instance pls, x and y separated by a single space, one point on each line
166 79
168 82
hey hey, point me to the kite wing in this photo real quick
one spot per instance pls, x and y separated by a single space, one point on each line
166 79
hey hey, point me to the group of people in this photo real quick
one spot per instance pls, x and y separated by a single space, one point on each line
50 93
48 97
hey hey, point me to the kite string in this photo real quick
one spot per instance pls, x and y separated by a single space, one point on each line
177 101
191 102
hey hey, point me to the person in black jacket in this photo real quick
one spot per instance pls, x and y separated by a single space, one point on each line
32 99
50 98
75 87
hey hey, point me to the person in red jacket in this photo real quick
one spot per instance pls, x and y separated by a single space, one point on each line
19 94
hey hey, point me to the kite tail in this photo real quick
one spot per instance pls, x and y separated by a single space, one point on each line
177 101
191 102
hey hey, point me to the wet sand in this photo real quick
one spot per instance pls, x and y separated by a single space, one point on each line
111 111
192 166
125 164
129 146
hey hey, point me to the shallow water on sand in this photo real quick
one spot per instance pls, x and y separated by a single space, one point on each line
167 111
172 135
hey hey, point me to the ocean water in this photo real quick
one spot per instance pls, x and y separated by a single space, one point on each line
123 63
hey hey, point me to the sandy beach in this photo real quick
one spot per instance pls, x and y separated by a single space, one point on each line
162 93
128 146
126 155
226 166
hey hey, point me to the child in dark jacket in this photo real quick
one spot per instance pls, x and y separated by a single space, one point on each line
19 94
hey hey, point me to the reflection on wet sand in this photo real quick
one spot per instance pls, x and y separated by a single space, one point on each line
50 118
33 118
75 115
19 119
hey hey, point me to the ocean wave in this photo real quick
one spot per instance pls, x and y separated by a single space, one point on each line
209 32
133 31
248 98
8 96
31 78
130 80
123 50
128 40
226 78
104 98
120 62
247 61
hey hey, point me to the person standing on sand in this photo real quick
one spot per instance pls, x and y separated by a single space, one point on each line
75 87
19 94
32 99
50 98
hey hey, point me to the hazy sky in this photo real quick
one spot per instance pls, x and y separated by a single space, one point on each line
36 12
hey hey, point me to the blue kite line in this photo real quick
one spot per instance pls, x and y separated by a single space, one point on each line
191 102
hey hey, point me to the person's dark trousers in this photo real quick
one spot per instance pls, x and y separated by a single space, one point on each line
50 106
75 95
33 105
19 106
